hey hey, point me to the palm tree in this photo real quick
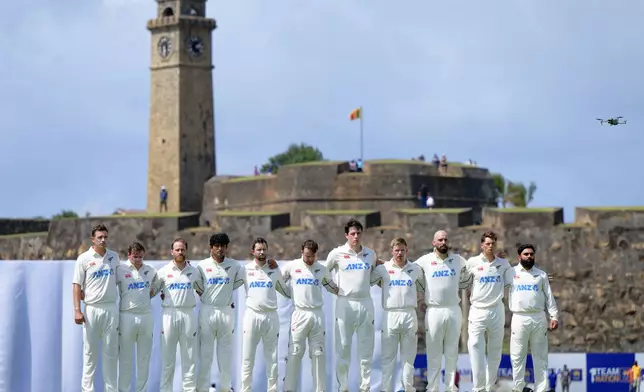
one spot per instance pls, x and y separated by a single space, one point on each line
520 196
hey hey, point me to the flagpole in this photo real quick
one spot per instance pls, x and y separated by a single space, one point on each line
361 136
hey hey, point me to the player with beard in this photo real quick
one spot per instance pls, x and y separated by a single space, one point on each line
354 311
530 297
178 281
307 277
486 280
95 283
216 316
445 275
261 321
400 280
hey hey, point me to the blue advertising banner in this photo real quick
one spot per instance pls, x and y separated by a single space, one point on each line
505 369
608 372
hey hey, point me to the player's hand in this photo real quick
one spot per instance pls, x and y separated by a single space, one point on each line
78 317
550 278
162 296
272 264
554 324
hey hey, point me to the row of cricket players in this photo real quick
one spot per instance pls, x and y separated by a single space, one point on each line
100 278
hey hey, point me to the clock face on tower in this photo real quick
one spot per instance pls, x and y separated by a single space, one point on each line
195 46
165 47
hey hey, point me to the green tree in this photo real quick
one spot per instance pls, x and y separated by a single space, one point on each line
519 195
65 214
294 154
501 189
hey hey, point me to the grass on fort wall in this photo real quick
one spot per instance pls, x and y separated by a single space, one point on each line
410 162
420 211
527 209
249 213
615 209
20 235
340 212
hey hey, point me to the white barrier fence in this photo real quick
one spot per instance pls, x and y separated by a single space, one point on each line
41 346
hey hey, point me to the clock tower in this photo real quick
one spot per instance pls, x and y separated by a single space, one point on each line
182 135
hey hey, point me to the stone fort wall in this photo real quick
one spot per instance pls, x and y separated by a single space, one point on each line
596 262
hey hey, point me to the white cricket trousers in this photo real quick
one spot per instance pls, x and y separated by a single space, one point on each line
529 328
306 324
443 325
179 327
264 326
484 322
100 326
215 324
399 329
135 329
354 315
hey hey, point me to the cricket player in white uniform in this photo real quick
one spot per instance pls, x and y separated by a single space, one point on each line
445 275
307 277
530 297
178 281
136 282
216 316
94 280
486 281
261 321
400 280
354 311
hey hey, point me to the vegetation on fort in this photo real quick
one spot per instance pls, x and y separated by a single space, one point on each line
513 193
294 154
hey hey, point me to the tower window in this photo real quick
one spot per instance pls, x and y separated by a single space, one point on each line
168 12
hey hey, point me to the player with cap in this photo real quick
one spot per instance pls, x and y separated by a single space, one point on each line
220 277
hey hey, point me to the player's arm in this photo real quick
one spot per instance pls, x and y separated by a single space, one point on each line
240 277
154 283
198 283
551 304
468 277
377 275
508 275
328 283
331 261
464 280
420 280
77 287
280 285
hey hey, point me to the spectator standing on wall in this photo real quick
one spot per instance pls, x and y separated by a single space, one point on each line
430 201
552 380
164 199
564 376
422 196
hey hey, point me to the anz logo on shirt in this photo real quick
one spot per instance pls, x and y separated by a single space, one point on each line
103 273
218 280
444 273
400 283
527 287
307 281
358 267
490 279
138 285
180 286
262 284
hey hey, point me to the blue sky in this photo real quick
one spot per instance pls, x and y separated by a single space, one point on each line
514 85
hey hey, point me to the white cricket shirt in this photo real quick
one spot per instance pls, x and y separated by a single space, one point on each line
353 270
261 284
135 286
443 278
487 280
219 281
399 284
307 282
95 275
179 285
530 292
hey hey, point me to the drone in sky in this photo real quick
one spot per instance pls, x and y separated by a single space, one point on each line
612 121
